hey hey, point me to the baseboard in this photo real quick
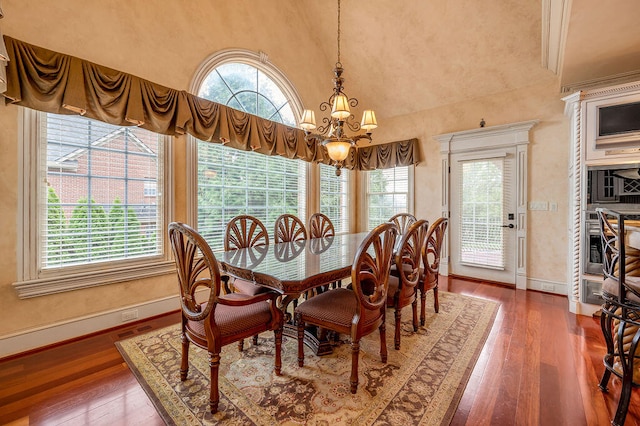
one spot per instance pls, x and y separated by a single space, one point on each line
547 286
50 334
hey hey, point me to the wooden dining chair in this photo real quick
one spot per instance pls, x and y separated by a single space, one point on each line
360 311
402 286
241 232
211 320
403 221
289 228
320 226
620 315
431 266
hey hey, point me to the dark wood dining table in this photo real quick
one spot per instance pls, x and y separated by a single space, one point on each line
294 268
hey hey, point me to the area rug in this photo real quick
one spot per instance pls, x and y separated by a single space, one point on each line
422 383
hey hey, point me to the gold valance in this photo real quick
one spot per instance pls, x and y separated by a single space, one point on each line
49 81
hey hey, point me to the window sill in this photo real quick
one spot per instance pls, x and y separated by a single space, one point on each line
62 283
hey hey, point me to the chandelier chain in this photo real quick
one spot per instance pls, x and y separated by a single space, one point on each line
338 31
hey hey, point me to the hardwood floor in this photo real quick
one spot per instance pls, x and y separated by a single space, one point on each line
540 365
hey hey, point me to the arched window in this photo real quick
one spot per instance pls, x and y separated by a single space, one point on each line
232 182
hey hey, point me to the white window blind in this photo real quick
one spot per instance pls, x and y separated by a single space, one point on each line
101 196
334 197
232 182
387 194
482 205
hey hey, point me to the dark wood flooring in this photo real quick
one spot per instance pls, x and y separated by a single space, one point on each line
540 366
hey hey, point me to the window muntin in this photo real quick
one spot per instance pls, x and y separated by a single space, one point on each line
95 205
334 197
232 182
387 194
248 89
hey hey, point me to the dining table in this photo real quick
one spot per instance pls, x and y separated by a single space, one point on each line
294 269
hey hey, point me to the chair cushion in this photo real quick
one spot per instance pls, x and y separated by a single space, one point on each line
336 306
610 286
235 319
248 287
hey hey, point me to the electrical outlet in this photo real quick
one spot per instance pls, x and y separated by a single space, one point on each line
129 315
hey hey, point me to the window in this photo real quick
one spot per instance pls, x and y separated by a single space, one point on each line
334 197
99 207
232 182
388 193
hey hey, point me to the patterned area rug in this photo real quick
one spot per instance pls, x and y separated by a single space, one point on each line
420 384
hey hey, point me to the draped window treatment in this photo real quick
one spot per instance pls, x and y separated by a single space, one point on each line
49 81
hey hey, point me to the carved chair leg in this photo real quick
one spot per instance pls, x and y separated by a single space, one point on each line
255 339
214 396
414 307
436 303
398 315
241 345
423 301
184 362
355 355
300 324
278 338
383 341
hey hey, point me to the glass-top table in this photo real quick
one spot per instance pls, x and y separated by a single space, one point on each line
294 267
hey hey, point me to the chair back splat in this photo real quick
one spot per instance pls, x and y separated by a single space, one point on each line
620 315
241 232
403 221
320 226
360 311
245 231
289 228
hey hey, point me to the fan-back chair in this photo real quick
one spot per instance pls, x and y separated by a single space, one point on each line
620 317
320 226
402 288
403 221
431 266
210 319
359 312
241 232
289 228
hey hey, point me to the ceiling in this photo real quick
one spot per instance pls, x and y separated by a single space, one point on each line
400 60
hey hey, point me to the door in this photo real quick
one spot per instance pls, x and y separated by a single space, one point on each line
483 215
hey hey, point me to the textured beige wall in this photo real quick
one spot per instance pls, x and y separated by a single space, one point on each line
165 41
548 162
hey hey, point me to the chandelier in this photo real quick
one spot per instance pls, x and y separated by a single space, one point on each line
332 132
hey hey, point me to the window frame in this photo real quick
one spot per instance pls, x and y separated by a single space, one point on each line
350 182
31 281
260 61
364 196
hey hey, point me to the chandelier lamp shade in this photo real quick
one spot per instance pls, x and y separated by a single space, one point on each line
332 133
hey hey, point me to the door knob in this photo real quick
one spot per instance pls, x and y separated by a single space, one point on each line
511 226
